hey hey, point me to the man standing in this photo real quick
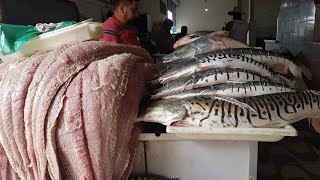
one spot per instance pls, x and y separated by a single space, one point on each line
115 29
238 28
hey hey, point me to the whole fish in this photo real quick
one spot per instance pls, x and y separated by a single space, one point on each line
234 90
221 61
272 60
195 36
207 78
277 110
204 44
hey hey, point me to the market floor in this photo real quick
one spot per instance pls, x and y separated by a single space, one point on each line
293 158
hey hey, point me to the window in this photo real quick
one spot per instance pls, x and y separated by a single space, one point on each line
170 15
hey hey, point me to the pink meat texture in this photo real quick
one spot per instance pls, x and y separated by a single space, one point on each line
70 113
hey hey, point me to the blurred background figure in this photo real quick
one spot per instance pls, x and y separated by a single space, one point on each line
184 31
163 39
238 27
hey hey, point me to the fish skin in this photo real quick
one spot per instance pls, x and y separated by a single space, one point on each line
221 61
234 90
272 111
203 44
199 46
269 58
208 78
196 35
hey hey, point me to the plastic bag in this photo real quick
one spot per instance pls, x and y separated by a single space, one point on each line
14 37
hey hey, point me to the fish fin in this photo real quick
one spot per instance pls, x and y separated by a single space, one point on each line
235 82
310 121
158 77
235 102
221 33
155 97
154 82
184 87
315 122
295 83
315 92
280 68
301 85
217 46
306 71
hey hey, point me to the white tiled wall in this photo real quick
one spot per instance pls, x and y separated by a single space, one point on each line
311 54
296 24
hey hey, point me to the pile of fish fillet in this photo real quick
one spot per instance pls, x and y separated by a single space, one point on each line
212 81
65 115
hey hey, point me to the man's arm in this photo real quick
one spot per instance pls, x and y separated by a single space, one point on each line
110 36
229 26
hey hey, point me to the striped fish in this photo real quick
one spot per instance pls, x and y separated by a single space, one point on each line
207 78
273 60
203 44
221 61
234 90
277 110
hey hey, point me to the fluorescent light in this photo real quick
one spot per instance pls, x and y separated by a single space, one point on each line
206 4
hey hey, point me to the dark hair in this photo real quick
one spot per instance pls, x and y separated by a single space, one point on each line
118 2
184 29
168 22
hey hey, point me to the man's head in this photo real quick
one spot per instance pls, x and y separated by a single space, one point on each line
236 13
184 30
167 25
127 9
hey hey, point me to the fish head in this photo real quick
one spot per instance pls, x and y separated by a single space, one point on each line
187 51
203 45
164 112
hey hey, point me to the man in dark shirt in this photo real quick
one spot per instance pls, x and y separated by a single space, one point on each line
115 29
238 28
164 40
184 31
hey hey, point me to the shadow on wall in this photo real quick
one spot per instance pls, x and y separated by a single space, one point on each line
34 11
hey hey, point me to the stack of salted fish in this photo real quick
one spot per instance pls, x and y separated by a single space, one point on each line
215 82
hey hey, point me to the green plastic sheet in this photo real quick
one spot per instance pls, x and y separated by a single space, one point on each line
14 37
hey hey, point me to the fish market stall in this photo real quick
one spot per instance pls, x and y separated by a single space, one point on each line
218 99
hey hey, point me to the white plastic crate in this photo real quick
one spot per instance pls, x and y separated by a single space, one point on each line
82 31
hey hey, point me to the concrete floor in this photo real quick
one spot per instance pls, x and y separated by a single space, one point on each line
293 158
